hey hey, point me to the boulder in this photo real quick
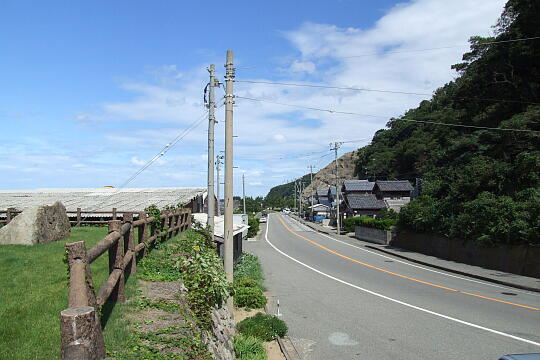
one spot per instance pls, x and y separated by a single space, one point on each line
37 225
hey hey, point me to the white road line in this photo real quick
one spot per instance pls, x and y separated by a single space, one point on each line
398 301
428 269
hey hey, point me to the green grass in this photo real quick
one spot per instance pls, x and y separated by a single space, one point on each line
250 268
33 288
122 343
249 348
262 326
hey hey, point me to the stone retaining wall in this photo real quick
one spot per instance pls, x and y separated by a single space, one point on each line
220 339
373 235
516 259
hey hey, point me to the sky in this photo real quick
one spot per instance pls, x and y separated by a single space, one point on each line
90 91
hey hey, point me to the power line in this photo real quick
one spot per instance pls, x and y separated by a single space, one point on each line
332 87
285 156
399 119
166 149
440 48
382 91
163 151
305 107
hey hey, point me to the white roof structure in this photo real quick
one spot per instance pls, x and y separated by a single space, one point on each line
219 224
99 199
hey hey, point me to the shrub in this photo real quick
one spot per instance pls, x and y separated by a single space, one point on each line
203 275
419 215
251 297
253 227
262 326
385 213
246 282
249 348
249 267
385 224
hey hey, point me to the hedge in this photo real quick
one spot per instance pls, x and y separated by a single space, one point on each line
350 223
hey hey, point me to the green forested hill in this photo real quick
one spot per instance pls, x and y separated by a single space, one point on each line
478 183
282 195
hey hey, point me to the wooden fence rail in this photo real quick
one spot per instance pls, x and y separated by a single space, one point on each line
76 218
80 326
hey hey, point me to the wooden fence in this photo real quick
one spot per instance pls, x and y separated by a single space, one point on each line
80 325
76 218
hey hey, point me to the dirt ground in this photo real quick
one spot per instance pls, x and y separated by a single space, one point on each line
272 347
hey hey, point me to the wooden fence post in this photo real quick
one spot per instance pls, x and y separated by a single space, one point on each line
142 236
116 255
114 213
80 326
129 244
170 223
8 215
176 222
81 337
164 223
78 217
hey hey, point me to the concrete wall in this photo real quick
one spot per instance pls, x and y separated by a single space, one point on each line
520 259
372 235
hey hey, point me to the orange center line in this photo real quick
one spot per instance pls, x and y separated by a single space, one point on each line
402 276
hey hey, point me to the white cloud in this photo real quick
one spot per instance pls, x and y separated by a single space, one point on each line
302 66
273 140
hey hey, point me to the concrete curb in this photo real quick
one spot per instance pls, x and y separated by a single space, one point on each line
280 340
479 277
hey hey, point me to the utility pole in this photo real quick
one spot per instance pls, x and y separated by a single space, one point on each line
228 221
300 185
311 184
335 148
244 192
211 122
295 194
219 158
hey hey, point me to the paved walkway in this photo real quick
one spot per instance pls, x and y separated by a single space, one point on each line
495 276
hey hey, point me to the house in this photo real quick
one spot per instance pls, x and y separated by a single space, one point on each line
361 204
239 233
357 187
320 211
322 196
397 189
205 207
395 193
331 193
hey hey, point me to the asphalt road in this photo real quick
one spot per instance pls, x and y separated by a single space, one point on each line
343 301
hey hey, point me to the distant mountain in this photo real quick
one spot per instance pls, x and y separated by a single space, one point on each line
326 176
287 190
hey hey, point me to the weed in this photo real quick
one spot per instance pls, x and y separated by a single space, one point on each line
249 348
262 326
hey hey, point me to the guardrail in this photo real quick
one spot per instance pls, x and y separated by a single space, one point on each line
80 326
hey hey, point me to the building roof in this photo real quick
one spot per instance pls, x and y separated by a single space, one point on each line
332 190
358 185
322 192
99 199
396 185
219 224
364 202
322 207
325 202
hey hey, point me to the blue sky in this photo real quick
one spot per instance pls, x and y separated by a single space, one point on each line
91 90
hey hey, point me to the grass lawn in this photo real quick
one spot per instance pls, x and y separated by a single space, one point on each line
33 291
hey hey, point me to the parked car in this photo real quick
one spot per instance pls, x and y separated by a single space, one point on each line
521 357
262 219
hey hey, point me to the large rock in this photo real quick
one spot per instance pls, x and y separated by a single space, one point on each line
37 225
